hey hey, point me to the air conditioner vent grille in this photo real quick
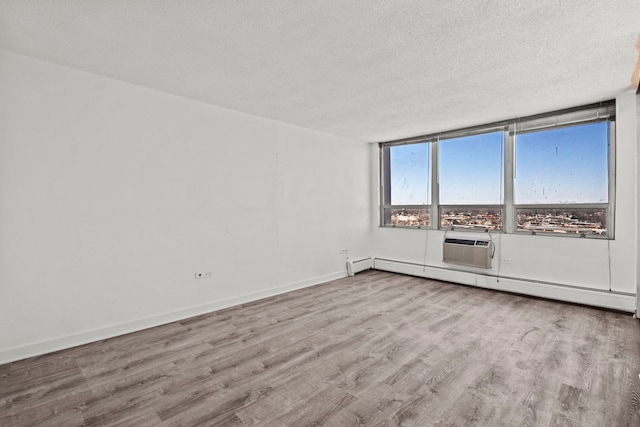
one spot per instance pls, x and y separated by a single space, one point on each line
474 253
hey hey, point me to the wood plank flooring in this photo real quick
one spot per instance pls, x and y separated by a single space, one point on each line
377 349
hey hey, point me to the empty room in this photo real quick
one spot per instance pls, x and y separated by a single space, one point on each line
338 213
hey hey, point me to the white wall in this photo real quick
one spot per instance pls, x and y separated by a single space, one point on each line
582 263
112 196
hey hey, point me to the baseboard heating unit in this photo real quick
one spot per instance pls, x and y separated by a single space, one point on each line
518 285
357 266
474 253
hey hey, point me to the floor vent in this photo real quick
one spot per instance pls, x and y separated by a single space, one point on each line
474 253
357 266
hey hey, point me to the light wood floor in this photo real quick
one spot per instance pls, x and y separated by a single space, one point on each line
375 349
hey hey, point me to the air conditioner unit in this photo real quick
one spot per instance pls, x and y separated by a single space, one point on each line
357 266
474 253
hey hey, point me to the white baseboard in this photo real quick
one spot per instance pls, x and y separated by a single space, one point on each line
556 291
86 337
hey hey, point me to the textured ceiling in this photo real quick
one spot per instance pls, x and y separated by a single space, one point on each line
369 69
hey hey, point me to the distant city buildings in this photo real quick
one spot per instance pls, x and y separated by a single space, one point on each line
584 221
581 221
475 219
411 217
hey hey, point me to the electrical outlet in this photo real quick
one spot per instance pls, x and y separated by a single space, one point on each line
506 260
203 275
344 251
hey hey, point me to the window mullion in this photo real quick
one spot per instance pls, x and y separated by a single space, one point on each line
611 214
385 187
435 186
508 223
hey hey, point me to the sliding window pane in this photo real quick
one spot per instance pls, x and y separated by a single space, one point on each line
581 221
468 218
409 217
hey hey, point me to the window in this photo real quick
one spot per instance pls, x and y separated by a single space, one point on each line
407 198
549 174
471 181
562 179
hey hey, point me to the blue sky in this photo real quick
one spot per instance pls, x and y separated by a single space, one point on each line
566 165
471 170
411 174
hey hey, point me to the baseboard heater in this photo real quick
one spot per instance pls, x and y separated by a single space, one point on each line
489 280
474 253
357 266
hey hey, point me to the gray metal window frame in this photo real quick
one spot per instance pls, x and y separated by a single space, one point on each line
610 206
603 111
385 189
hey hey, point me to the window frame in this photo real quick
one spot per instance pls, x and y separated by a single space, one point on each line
611 174
475 131
385 189
598 112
